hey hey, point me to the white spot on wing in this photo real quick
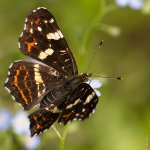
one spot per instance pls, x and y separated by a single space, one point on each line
55 36
41 8
46 108
43 89
93 111
46 53
60 34
26 19
66 60
19 44
13 97
25 27
63 51
21 34
8 90
37 74
89 98
71 105
42 55
38 79
52 36
83 110
10 65
17 61
49 51
6 80
54 73
31 30
8 73
39 29
74 119
77 115
52 20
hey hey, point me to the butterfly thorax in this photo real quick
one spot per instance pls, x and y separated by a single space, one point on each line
76 80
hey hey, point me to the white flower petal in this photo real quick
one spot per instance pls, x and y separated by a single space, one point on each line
31 142
122 3
98 93
5 119
136 4
20 123
95 83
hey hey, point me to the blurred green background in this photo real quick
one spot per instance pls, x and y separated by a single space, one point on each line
121 121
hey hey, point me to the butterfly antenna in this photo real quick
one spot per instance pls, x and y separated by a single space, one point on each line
100 44
115 78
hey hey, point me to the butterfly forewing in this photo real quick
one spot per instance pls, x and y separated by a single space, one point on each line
28 82
43 40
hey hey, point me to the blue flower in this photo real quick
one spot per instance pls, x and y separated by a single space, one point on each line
31 142
135 4
96 84
5 119
20 123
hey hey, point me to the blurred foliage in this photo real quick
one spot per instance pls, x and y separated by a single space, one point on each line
121 121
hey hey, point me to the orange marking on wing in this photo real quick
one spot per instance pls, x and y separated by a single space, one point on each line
16 84
34 117
37 125
30 45
67 115
37 21
25 78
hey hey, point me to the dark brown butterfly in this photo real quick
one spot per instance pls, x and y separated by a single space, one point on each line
53 81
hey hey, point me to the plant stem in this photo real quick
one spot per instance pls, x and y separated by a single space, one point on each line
103 10
94 23
57 132
62 139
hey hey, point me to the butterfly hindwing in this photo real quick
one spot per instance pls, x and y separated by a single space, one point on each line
51 106
77 106
43 40
81 105
28 82
42 119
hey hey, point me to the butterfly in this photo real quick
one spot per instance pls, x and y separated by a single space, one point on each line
52 81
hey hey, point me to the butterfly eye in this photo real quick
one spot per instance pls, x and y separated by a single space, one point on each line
84 75
90 74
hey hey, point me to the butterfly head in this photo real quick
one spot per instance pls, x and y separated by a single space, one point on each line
85 76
